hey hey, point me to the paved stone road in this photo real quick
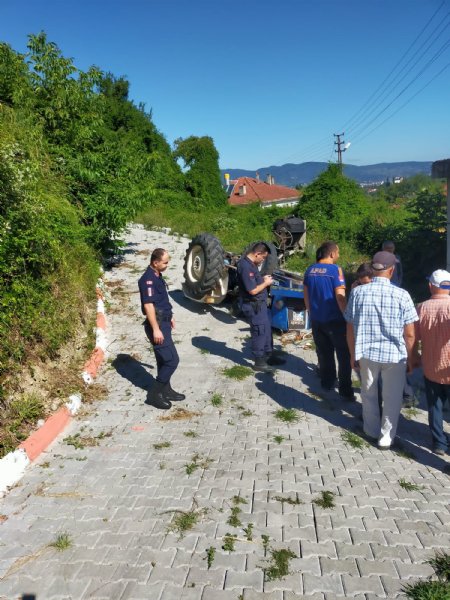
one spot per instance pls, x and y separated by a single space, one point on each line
121 501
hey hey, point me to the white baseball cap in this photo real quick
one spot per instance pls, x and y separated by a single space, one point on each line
440 279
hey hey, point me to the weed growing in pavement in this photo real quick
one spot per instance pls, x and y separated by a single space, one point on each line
279 566
248 532
197 463
217 399
441 565
45 465
161 445
62 542
408 486
265 541
247 413
179 414
278 438
237 372
191 434
81 458
185 521
228 542
162 466
288 500
287 415
210 554
234 519
79 442
204 351
353 440
238 499
427 590
326 500
191 467
231 422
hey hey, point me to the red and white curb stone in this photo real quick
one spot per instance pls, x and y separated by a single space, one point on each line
13 465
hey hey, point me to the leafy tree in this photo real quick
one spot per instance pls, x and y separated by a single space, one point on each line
202 180
333 205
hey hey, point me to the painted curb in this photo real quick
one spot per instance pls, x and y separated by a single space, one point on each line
13 465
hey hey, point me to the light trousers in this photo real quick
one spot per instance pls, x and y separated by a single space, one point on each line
382 426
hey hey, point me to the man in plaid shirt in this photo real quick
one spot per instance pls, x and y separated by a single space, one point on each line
380 333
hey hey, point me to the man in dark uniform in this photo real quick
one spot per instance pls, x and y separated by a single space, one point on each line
324 293
158 325
253 301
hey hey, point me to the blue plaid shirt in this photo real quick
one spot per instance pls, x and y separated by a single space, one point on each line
379 311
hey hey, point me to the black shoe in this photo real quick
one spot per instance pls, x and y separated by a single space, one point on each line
275 360
156 396
171 394
348 396
262 365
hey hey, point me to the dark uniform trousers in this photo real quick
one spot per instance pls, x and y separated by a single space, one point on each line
260 327
330 337
166 354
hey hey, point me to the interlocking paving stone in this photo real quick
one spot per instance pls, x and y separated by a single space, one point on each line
120 501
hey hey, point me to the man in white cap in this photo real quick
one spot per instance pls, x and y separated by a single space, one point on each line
380 333
433 330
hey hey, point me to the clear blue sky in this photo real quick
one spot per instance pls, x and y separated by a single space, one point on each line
269 81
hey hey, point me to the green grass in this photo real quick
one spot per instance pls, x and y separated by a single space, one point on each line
279 566
325 500
62 542
354 440
197 463
228 542
238 499
248 531
237 372
191 434
161 445
265 541
288 500
287 415
408 486
427 590
234 519
191 467
210 554
184 521
441 565
410 413
204 351
278 438
216 399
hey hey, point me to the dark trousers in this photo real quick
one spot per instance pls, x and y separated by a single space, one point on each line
166 354
329 338
437 394
260 328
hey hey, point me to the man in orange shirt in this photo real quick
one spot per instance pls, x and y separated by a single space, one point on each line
433 330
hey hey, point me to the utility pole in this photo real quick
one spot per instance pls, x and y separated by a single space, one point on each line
341 147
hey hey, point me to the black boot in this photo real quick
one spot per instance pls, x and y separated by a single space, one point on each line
171 394
274 360
261 365
156 396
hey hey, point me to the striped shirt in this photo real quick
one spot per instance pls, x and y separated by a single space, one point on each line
379 311
433 329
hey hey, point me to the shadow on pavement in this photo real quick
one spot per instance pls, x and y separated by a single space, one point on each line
133 370
220 349
199 308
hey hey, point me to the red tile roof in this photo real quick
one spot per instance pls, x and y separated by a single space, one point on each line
260 191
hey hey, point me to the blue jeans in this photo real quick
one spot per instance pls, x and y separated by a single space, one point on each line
437 394
329 338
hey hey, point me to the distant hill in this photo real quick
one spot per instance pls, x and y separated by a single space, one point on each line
292 175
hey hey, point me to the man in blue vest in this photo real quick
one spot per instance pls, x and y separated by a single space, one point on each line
324 294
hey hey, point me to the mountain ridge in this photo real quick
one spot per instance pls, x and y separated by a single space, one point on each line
291 174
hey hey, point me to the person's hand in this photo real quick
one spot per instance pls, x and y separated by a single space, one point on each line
354 363
172 323
268 280
158 337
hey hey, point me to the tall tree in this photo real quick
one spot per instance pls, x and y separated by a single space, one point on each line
202 179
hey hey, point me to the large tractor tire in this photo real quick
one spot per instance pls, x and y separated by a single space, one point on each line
271 263
204 265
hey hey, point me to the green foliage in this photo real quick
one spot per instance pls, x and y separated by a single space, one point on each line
441 565
333 205
279 566
202 179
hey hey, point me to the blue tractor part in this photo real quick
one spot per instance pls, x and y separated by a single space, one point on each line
288 312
